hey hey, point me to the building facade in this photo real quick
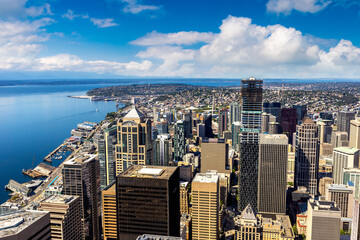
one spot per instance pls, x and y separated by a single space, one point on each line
179 141
223 122
109 222
344 157
354 134
162 150
106 148
343 121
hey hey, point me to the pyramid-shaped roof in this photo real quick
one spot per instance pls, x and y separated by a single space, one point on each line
308 121
134 113
248 213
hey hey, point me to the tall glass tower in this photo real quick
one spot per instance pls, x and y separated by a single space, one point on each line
251 93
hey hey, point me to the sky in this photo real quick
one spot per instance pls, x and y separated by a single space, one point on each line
184 38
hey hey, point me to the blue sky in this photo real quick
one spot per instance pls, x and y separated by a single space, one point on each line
168 38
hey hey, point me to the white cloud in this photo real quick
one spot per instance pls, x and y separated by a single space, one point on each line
133 6
71 16
305 6
179 38
103 23
16 8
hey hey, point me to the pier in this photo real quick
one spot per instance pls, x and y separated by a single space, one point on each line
48 157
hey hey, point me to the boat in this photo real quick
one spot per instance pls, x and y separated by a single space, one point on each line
97 110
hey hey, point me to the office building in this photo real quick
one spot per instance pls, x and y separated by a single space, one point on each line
200 130
109 223
325 131
179 141
106 147
187 121
235 135
307 156
277 229
355 224
234 113
272 108
215 156
223 122
208 127
274 128
205 207
251 92
352 175
354 134
65 216
162 127
273 157
134 145
342 196
339 139
148 201
323 182
162 150
323 221
343 121
301 111
81 178
156 237
288 122
184 197
344 157
266 119
247 225
326 115
326 149
25 225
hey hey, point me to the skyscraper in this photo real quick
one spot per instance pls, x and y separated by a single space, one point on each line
325 130
148 201
188 124
205 205
307 156
109 222
223 122
81 178
301 111
251 92
273 157
134 140
208 126
355 134
343 121
344 157
235 135
288 122
162 150
179 141
273 108
106 147
234 112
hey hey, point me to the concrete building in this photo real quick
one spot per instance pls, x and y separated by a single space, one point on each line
156 237
355 133
277 229
323 182
134 145
109 222
342 195
158 187
205 206
352 175
344 157
343 121
307 156
223 122
106 148
215 156
288 122
179 141
274 128
252 95
235 135
273 108
234 113
355 224
291 159
325 130
326 149
25 225
339 139
301 111
201 130
247 225
65 216
323 221
81 178
162 150
273 157
184 197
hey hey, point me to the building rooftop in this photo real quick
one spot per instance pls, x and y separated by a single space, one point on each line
134 113
83 159
156 237
324 206
148 171
347 150
64 199
11 224
206 178
338 187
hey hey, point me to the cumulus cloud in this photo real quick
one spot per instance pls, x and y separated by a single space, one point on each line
305 6
133 6
179 38
71 15
16 8
103 23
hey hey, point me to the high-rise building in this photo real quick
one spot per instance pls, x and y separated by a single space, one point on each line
344 157
352 175
272 108
326 115
273 157
184 197
343 121
301 111
355 224
81 178
65 216
162 127
266 119
235 135
26 224
339 139
355 134
208 127
109 226
201 130
342 195
134 140
234 112
223 121
288 122
106 147
179 141
148 201
307 156
323 221
325 131
205 206
162 150
247 225
187 121
274 128
252 93
215 156
323 182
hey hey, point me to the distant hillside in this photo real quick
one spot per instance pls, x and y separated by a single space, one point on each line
142 89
